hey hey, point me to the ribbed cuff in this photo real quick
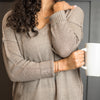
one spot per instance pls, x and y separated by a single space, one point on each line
47 69
58 17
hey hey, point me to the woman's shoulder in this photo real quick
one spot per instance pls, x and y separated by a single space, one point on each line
7 32
5 16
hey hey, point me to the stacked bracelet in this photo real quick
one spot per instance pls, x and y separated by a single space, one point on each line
57 66
57 69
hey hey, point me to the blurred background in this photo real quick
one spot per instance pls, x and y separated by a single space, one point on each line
91 34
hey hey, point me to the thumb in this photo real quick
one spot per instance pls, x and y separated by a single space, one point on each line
72 7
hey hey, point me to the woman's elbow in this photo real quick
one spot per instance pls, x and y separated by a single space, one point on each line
68 49
64 52
12 77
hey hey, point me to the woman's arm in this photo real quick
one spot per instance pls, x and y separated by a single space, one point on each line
66 31
75 60
18 68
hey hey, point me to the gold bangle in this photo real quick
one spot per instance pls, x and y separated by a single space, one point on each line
58 65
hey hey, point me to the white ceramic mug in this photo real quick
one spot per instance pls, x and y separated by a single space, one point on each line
92 59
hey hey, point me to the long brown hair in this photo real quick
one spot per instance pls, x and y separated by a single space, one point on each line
23 16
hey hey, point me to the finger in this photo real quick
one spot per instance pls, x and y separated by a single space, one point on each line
75 5
56 67
81 56
72 7
80 53
78 56
81 64
80 59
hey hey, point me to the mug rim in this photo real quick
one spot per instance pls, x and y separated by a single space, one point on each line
93 43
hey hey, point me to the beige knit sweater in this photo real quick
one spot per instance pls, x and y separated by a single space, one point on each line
29 62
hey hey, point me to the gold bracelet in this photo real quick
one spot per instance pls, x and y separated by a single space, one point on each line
58 65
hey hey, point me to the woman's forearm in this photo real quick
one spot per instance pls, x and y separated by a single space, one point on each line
75 60
56 66
61 65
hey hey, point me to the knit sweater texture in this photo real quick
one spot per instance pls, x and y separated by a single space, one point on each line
29 62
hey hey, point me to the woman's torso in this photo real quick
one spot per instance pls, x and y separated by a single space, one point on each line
61 87
36 49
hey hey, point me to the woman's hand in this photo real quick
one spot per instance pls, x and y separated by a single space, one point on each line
62 5
75 60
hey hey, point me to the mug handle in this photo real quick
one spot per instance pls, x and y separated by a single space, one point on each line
84 67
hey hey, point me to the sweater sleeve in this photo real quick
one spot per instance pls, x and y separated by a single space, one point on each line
66 30
18 68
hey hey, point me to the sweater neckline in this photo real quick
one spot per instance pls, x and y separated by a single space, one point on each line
40 30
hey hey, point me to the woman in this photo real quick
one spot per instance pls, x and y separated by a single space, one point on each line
43 63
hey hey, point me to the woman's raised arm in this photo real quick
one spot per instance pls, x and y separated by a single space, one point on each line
66 30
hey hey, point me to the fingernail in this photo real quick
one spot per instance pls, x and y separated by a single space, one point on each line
75 5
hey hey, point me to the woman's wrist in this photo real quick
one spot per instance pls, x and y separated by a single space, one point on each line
62 5
67 67
57 10
56 66
63 65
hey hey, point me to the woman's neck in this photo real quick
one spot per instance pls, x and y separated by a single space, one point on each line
46 6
